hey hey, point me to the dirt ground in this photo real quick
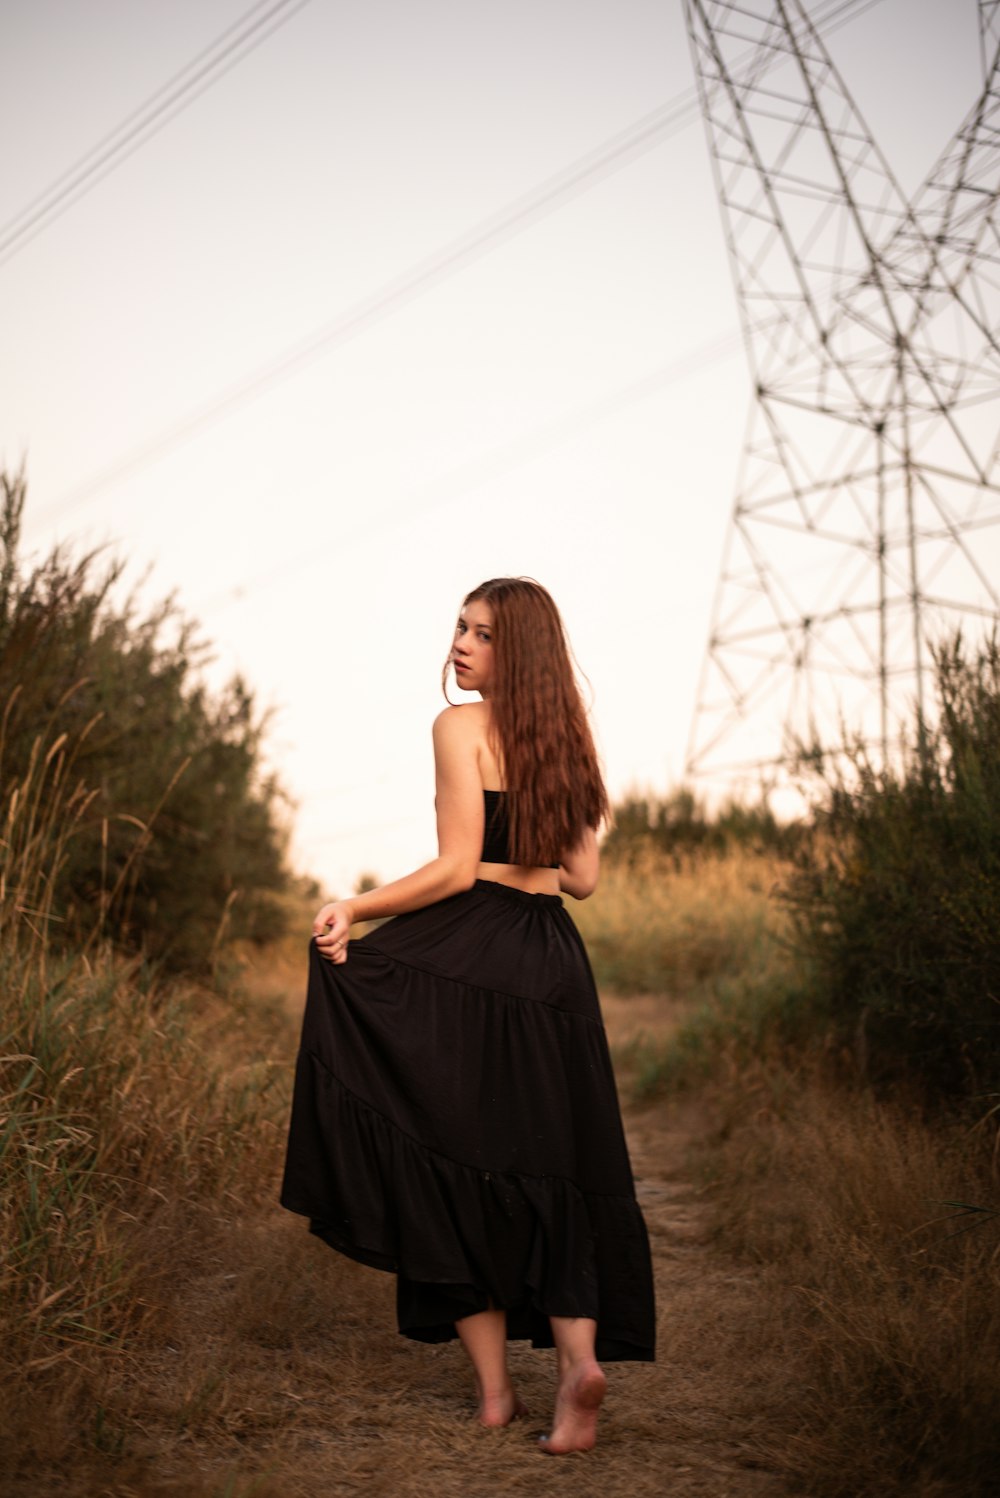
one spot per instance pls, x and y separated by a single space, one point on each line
278 1370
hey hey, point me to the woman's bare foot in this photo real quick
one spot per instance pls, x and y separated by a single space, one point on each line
484 1337
496 1410
578 1399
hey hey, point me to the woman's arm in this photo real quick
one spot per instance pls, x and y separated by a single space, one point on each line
580 866
460 816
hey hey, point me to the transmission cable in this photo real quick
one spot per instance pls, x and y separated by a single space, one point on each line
159 110
484 467
578 177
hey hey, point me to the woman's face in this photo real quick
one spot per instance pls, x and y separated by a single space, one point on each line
472 651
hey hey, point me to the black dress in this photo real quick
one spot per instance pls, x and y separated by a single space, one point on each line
455 1121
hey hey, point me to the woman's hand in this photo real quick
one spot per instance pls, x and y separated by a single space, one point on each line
331 929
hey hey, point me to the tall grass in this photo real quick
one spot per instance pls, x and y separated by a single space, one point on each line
657 924
840 1035
708 934
127 1101
885 1291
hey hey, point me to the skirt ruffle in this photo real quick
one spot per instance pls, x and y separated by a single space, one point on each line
455 1121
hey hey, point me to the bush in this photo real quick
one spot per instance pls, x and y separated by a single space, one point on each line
896 903
679 825
170 831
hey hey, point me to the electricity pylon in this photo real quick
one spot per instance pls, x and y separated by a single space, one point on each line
866 523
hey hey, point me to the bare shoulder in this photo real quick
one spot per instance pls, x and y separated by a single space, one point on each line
457 750
462 720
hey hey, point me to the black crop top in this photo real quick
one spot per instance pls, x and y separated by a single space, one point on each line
496 835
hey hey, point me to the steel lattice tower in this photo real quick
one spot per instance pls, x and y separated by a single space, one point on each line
866 523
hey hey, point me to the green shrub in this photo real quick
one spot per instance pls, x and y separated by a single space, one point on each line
679 824
896 903
172 831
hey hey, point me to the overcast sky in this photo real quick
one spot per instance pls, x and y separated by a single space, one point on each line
566 402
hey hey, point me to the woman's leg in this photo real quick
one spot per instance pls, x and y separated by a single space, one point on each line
581 1386
484 1337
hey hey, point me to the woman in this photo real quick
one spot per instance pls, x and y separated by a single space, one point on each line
455 1119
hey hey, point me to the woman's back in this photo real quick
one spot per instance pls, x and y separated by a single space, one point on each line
575 873
536 879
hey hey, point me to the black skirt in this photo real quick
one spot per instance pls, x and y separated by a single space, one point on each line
455 1121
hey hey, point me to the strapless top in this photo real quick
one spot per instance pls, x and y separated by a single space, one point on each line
496 835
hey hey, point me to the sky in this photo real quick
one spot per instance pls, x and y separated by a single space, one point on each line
284 362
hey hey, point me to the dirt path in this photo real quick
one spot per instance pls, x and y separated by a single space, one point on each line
279 1370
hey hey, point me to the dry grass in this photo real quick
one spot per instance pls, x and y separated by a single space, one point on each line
169 1331
879 1306
889 1296
265 1364
128 1107
705 940
238 1355
656 927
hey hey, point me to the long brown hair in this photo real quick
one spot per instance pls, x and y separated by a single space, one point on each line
539 724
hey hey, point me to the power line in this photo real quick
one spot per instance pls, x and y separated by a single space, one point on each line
105 140
578 177
468 476
442 264
148 119
532 444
